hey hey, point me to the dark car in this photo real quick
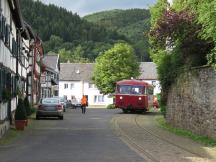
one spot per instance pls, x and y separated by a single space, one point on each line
50 107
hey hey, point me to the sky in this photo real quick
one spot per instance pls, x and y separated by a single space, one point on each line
85 7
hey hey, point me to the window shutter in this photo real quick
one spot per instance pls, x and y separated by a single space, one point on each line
3 27
7 35
14 47
1 80
1 17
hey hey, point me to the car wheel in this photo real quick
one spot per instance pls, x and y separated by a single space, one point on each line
61 117
37 117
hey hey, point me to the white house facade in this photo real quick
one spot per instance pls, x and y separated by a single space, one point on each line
148 74
75 81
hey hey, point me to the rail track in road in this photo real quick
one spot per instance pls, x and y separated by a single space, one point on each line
137 148
150 145
153 133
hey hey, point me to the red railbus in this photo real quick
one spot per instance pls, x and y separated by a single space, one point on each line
133 95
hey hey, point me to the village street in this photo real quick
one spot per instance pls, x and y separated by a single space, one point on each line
86 138
102 135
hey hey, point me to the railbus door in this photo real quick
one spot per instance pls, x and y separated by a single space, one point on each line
150 96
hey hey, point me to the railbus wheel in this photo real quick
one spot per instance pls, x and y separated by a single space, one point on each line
124 110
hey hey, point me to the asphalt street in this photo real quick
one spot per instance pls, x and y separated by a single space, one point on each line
78 138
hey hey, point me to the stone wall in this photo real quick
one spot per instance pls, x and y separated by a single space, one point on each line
192 102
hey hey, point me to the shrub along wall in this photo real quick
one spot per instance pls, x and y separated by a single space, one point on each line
191 102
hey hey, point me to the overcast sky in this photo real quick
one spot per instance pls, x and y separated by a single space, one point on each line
84 7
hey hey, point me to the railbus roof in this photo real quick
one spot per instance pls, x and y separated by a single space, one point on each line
133 82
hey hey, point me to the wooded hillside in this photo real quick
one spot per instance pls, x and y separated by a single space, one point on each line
134 24
73 37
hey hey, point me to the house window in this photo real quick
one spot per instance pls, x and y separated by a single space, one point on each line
71 86
65 97
154 83
65 86
52 76
98 98
91 85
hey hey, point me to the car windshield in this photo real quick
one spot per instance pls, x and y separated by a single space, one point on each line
50 101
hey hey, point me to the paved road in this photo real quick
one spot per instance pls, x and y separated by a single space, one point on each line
78 138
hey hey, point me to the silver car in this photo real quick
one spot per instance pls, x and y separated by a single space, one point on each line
63 102
50 107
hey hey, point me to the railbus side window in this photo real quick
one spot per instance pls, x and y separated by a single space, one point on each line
150 91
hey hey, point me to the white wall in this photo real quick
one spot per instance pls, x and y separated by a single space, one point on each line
80 88
157 87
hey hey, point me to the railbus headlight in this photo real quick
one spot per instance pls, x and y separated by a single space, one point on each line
140 98
121 97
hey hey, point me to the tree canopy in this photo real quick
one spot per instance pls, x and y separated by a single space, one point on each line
182 36
113 65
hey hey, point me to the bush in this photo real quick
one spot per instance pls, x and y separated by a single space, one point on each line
33 110
20 113
27 106
110 106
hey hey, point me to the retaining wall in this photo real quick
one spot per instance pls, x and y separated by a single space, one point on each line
192 102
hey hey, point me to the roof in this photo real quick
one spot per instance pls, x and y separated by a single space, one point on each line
148 71
76 71
16 12
84 71
51 60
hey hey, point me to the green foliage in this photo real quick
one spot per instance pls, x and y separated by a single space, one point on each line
61 29
202 139
27 106
6 95
132 24
179 40
110 106
205 16
113 65
156 11
73 56
20 113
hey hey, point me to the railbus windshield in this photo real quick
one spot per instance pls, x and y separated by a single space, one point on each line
130 89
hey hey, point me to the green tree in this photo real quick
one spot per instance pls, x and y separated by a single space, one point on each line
73 56
113 65
53 44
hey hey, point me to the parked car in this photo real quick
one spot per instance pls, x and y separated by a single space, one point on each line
63 102
75 103
69 104
50 107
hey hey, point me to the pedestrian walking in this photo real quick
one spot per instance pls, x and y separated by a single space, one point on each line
84 103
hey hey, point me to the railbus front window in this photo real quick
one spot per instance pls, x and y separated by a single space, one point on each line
137 90
124 89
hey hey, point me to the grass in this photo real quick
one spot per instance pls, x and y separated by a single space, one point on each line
10 136
198 138
13 134
110 106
